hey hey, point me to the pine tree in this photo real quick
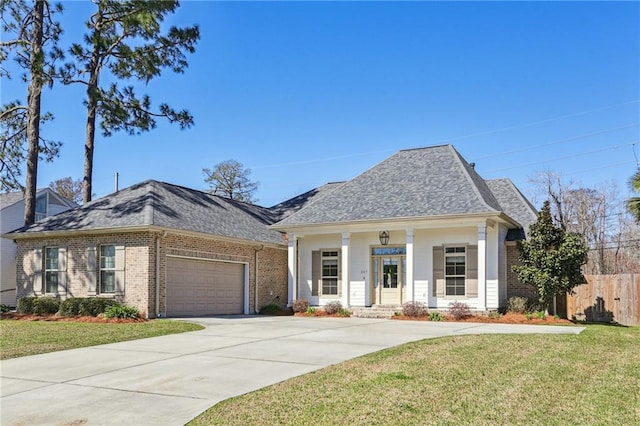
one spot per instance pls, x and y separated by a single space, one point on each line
125 39
35 47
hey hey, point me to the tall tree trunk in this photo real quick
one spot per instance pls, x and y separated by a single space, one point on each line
87 186
33 114
93 95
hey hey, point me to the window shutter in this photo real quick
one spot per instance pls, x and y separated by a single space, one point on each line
119 271
472 272
339 273
92 268
438 271
316 271
37 271
62 270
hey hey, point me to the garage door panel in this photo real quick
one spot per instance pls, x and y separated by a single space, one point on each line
196 287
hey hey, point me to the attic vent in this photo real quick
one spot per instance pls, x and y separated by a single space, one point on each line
473 165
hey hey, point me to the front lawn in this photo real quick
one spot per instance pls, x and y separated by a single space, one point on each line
21 338
591 378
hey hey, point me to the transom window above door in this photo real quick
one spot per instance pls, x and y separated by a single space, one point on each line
389 251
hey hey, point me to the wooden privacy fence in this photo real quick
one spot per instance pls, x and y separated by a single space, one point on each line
606 298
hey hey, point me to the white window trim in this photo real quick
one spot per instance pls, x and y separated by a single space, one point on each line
322 276
99 290
455 296
45 270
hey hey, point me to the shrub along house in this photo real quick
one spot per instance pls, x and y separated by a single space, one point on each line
420 226
164 249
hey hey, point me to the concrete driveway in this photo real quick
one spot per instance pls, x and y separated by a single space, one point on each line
169 380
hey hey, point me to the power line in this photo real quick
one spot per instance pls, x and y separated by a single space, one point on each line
547 120
517 151
580 154
486 132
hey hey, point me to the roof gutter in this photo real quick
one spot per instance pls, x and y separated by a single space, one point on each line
140 228
400 221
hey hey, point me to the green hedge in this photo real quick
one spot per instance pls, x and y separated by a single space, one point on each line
84 306
38 305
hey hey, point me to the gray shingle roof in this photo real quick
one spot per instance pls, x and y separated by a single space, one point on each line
288 207
153 203
432 181
514 204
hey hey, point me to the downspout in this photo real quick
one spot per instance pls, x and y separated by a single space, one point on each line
255 263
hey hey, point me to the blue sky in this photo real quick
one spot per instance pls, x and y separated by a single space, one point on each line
304 93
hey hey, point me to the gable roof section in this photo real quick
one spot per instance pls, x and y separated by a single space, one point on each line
10 198
515 205
159 204
433 181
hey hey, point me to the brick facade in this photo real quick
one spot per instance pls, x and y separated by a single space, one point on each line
514 286
140 265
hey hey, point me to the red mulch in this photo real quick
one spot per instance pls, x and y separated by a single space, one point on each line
30 317
318 313
508 318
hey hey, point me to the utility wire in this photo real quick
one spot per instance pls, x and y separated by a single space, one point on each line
558 142
580 154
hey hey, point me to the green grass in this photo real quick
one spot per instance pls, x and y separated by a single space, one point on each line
592 378
21 338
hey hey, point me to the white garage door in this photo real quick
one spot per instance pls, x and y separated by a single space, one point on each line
197 287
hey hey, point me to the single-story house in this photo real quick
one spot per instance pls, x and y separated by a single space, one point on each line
48 202
165 249
420 226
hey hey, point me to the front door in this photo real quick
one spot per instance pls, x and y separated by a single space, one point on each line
387 280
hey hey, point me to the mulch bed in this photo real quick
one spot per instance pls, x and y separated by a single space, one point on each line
508 318
58 318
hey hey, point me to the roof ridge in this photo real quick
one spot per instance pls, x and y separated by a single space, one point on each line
467 173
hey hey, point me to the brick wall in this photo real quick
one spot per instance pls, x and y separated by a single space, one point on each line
514 286
272 265
137 277
140 266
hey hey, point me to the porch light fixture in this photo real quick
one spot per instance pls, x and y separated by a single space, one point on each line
384 237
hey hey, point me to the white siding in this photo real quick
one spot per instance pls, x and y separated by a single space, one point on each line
360 274
11 218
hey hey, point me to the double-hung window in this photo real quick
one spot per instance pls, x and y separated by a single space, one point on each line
454 270
330 273
51 269
108 269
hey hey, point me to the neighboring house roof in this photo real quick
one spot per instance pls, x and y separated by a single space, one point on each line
163 205
287 208
424 182
10 198
515 205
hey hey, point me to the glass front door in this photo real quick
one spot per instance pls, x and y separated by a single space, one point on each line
387 280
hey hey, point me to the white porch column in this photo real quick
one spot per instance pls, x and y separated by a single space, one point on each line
482 267
292 256
409 271
345 269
